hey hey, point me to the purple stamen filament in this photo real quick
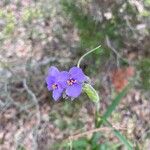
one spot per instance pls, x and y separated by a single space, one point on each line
71 82
54 86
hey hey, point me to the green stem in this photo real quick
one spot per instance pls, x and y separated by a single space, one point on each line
79 62
97 116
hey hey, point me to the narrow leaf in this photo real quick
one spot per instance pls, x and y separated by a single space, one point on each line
121 137
114 104
111 108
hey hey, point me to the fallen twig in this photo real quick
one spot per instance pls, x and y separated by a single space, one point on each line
76 136
34 99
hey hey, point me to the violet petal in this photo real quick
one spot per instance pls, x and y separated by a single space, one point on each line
53 71
77 74
50 81
74 90
57 94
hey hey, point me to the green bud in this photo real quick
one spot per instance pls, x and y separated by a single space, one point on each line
91 93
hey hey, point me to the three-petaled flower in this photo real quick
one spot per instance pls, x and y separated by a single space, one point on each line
68 82
53 82
72 81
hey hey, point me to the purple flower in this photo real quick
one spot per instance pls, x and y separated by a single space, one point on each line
53 82
72 81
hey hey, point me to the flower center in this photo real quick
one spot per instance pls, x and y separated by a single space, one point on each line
71 81
54 86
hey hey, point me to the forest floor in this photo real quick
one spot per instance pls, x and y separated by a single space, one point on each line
29 118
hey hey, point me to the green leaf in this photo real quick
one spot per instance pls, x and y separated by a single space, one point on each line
143 67
108 113
114 104
82 143
95 140
20 147
91 93
121 137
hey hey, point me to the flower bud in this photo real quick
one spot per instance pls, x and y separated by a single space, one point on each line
91 93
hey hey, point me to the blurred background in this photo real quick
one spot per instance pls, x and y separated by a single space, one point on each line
36 34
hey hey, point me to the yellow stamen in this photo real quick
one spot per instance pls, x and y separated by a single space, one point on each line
54 86
71 82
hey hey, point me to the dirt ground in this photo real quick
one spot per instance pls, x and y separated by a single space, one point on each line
29 118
